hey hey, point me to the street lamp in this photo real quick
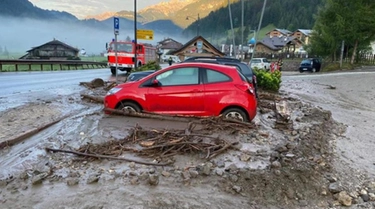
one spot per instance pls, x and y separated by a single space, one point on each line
198 22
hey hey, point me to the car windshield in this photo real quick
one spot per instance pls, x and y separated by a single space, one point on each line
306 62
122 47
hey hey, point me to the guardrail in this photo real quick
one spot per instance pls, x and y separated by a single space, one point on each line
69 63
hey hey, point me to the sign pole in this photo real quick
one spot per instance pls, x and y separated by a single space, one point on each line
135 35
116 56
116 27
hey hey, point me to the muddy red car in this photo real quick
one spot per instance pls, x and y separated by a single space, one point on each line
197 89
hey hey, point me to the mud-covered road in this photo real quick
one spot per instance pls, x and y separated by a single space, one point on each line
321 157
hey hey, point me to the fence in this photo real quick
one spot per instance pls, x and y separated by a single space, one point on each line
70 64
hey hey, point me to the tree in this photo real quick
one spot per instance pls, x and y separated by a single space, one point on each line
343 20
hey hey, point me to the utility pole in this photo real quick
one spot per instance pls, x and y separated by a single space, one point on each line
231 25
242 30
342 53
257 32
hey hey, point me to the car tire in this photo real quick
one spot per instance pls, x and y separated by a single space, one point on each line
129 106
301 71
236 114
113 70
313 70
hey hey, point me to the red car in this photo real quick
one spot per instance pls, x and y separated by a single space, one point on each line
197 89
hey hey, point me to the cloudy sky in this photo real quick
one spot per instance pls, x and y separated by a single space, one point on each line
83 8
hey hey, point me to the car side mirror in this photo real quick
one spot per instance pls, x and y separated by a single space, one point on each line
155 82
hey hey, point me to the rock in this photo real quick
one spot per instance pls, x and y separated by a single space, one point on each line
3 183
276 164
134 181
245 157
132 165
185 175
372 196
144 176
237 189
363 191
193 173
335 187
93 178
38 179
24 176
365 197
281 148
205 168
277 172
219 172
165 174
290 146
289 155
232 168
344 199
153 179
220 163
151 171
294 133
233 178
72 182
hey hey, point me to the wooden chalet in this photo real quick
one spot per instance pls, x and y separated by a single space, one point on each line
198 46
53 50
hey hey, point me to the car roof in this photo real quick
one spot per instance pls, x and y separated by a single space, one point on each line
207 59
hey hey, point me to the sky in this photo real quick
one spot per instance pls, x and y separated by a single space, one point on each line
84 8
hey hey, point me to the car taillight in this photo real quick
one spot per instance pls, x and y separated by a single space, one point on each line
245 88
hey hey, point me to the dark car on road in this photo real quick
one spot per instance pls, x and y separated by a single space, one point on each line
242 67
311 64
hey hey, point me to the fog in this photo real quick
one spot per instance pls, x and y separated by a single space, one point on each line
19 35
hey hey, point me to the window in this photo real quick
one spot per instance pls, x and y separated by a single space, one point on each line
121 47
179 76
214 76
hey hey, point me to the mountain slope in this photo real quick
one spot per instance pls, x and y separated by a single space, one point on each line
23 8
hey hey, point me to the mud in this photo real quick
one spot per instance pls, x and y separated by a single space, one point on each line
284 161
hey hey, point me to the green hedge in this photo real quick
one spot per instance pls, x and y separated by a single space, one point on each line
152 65
268 80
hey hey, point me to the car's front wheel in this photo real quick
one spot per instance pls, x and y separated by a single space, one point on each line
129 107
313 70
235 114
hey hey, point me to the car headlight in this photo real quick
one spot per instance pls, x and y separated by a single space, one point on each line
113 90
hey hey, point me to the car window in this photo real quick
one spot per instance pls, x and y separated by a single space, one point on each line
255 61
306 62
179 76
215 76
265 60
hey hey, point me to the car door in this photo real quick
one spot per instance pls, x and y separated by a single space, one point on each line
217 86
179 92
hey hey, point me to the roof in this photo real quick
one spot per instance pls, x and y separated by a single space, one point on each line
283 31
276 42
169 43
204 40
306 32
55 42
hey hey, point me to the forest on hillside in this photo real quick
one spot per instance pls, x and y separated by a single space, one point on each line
290 14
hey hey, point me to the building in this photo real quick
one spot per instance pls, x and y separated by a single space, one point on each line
53 50
278 44
167 46
278 32
198 46
303 35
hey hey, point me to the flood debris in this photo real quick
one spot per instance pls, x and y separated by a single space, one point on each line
95 83
91 98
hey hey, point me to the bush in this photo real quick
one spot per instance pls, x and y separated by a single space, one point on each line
152 65
268 80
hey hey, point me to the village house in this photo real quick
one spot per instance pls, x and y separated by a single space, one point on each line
168 45
53 50
198 46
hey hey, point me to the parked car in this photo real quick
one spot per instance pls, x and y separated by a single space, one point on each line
311 64
198 89
135 76
260 63
242 67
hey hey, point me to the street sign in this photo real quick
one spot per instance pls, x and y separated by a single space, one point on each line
116 25
145 34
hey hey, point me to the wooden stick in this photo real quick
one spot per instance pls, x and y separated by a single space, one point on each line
94 98
105 156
